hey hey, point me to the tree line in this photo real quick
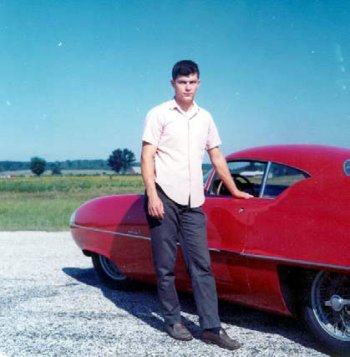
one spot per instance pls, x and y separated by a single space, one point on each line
65 165
120 161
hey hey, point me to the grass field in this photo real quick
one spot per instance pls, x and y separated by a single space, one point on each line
46 203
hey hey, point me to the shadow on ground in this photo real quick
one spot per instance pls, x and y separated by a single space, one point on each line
143 304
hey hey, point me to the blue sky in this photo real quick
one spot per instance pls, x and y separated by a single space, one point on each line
77 77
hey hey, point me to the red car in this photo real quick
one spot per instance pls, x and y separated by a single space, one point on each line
287 250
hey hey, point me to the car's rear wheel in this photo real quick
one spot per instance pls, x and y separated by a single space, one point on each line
327 310
109 273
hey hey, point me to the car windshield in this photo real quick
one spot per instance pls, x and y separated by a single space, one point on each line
206 172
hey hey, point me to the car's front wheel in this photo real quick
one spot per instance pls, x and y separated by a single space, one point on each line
327 310
109 273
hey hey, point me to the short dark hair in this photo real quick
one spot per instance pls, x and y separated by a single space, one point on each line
184 68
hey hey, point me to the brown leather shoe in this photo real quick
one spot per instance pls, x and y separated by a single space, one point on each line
178 331
222 339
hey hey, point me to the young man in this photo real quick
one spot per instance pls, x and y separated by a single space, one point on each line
175 136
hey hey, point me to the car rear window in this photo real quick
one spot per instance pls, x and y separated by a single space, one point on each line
280 177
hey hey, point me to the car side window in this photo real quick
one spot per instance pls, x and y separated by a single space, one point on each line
248 176
280 177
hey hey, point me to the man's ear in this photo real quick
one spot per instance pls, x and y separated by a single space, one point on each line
172 82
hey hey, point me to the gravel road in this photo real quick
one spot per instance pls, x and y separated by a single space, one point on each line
52 304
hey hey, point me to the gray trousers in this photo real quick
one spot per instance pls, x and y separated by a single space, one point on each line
188 227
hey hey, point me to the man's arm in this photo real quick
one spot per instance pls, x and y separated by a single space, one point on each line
220 165
155 205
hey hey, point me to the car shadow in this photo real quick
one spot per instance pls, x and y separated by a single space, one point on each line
142 303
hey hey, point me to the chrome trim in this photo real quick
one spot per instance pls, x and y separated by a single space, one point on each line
263 184
72 217
294 261
129 235
217 250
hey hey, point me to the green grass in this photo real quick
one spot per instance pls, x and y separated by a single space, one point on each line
46 203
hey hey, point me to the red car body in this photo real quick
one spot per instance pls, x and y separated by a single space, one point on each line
266 251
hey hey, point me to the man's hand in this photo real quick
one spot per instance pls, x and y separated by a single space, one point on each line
155 207
244 195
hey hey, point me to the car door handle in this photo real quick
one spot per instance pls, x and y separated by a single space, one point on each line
241 210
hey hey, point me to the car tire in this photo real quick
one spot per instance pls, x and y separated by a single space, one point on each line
109 273
326 310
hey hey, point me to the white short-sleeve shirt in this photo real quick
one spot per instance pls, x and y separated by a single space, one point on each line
181 139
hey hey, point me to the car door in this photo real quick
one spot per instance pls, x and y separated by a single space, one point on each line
228 222
270 222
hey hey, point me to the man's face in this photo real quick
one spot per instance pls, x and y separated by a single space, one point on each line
186 88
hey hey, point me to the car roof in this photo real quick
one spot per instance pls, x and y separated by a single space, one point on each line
313 159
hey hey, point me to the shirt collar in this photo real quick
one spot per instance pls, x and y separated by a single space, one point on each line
174 106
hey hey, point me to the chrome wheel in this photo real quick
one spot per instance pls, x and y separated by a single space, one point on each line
110 269
110 274
330 304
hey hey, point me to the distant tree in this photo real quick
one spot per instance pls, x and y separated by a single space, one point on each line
37 165
56 169
128 159
121 160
